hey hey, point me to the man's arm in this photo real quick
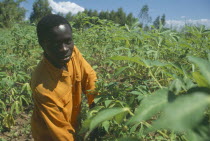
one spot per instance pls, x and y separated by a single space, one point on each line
59 128
88 79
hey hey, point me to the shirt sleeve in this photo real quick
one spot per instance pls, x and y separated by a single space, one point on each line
88 79
59 128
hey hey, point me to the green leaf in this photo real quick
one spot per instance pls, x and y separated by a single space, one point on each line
184 113
130 59
8 121
2 139
107 102
128 139
201 81
28 88
120 70
152 63
22 97
17 107
106 125
97 99
94 110
209 57
106 114
176 86
136 93
23 88
149 106
192 136
119 118
3 106
201 134
12 108
85 126
134 127
203 65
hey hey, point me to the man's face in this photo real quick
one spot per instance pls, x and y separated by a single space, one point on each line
59 45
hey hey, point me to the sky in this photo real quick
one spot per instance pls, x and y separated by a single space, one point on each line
178 12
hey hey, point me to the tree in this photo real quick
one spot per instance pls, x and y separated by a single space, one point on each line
130 19
85 11
61 14
11 12
156 22
144 17
95 13
159 21
90 13
122 16
163 19
102 15
41 8
112 15
118 17
69 16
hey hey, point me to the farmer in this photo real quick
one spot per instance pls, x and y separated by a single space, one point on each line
58 82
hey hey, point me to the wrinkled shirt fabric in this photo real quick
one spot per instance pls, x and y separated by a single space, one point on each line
57 97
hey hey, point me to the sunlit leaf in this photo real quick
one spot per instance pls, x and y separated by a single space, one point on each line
130 59
108 102
203 65
184 113
106 114
106 125
149 106
201 81
120 70
119 118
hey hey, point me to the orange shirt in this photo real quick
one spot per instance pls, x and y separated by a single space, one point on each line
57 97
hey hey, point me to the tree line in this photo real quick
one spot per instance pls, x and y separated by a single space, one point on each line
11 12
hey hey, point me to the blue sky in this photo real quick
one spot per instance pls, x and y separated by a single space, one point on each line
176 11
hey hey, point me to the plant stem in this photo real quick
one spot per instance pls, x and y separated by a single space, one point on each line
150 72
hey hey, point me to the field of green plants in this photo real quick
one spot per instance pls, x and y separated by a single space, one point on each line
153 85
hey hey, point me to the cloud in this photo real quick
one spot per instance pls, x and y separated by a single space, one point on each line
183 17
65 7
181 23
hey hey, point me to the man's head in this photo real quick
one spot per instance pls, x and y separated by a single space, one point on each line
55 36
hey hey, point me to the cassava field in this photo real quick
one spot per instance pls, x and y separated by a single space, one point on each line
154 85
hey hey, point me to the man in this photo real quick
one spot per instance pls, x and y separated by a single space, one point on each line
58 81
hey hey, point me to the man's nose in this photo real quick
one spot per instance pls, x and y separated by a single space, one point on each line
64 47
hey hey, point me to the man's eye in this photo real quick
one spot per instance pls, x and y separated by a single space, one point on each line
68 41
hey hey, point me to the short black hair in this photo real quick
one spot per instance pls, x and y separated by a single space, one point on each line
46 24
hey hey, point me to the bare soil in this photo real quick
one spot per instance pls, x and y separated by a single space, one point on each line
21 131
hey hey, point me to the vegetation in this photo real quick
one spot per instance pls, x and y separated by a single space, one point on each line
41 8
11 12
154 82
153 85
119 17
144 15
159 21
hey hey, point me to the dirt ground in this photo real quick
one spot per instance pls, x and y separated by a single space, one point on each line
21 131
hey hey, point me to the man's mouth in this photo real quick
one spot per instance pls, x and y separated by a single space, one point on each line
64 57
